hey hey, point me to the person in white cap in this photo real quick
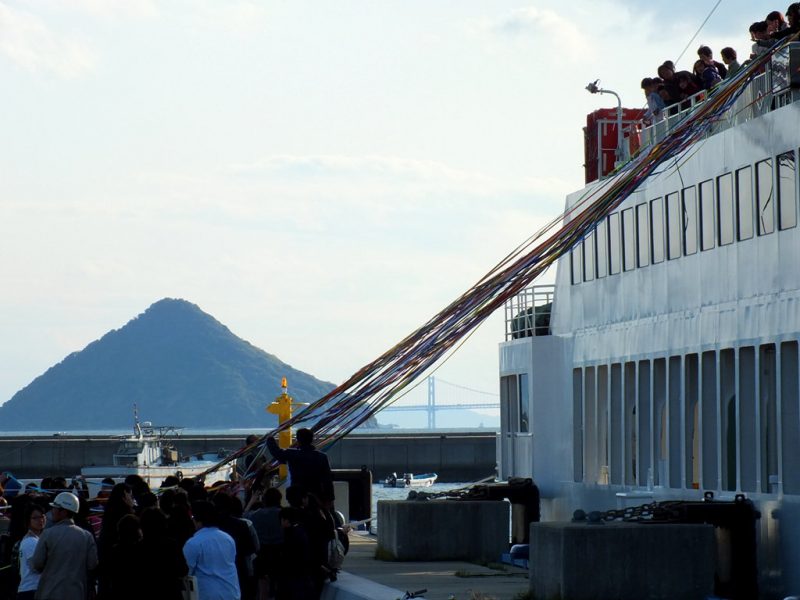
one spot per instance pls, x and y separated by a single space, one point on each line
65 554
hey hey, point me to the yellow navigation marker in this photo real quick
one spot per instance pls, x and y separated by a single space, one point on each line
282 406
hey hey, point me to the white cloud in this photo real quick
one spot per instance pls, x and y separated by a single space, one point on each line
126 9
31 44
392 174
242 17
561 34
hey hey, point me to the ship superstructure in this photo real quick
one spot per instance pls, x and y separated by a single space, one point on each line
664 361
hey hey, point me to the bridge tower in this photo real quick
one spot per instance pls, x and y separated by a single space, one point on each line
431 402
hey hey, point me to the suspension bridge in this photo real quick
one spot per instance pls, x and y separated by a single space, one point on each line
437 394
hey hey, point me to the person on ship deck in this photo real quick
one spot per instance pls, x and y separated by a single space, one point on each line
728 55
793 18
705 54
655 104
776 22
760 38
707 72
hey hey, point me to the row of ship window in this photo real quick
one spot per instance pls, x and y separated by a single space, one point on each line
753 201
725 419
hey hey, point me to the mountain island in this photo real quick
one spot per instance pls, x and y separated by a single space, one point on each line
179 365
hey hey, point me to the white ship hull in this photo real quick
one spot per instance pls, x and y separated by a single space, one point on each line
680 372
155 475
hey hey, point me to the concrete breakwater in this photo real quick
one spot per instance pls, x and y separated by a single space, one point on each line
455 456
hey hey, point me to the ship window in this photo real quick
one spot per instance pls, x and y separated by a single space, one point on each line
744 202
615 252
577 425
725 208
602 424
509 403
708 399
787 212
601 235
590 456
131 448
689 221
615 463
674 226
707 228
577 263
644 410
629 449
659 375
748 453
767 395
790 418
628 240
728 407
674 380
692 420
524 404
643 234
764 191
657 229
588 257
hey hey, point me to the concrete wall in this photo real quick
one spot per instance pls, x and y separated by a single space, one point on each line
454 456
624 561
443 530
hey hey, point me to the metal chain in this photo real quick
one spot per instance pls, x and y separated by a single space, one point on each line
662 512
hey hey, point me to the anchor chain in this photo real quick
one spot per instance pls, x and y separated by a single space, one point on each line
662 512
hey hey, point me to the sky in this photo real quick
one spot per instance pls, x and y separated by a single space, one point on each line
321 177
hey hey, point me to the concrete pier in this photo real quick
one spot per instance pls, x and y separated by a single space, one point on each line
366 578
623 561
443 530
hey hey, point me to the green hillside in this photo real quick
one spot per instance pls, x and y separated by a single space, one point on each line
178 364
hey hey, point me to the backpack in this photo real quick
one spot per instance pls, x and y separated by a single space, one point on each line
15 556
9 566
336 553
711 76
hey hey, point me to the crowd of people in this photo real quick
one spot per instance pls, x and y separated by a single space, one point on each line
671 89
131 542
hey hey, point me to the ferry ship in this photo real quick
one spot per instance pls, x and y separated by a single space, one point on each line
663 362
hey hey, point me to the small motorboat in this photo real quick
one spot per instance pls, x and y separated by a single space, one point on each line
410 480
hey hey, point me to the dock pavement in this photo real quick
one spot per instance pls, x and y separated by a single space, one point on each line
444 580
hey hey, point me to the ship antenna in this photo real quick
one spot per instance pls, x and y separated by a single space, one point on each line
699 29
137 429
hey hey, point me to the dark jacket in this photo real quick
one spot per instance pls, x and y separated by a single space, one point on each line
164 567
308 467
240 532
784 33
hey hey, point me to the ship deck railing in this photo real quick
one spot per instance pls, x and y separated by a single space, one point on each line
766 92
528 313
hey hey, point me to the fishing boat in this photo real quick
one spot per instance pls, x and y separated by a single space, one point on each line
664 361
410 480
150 453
